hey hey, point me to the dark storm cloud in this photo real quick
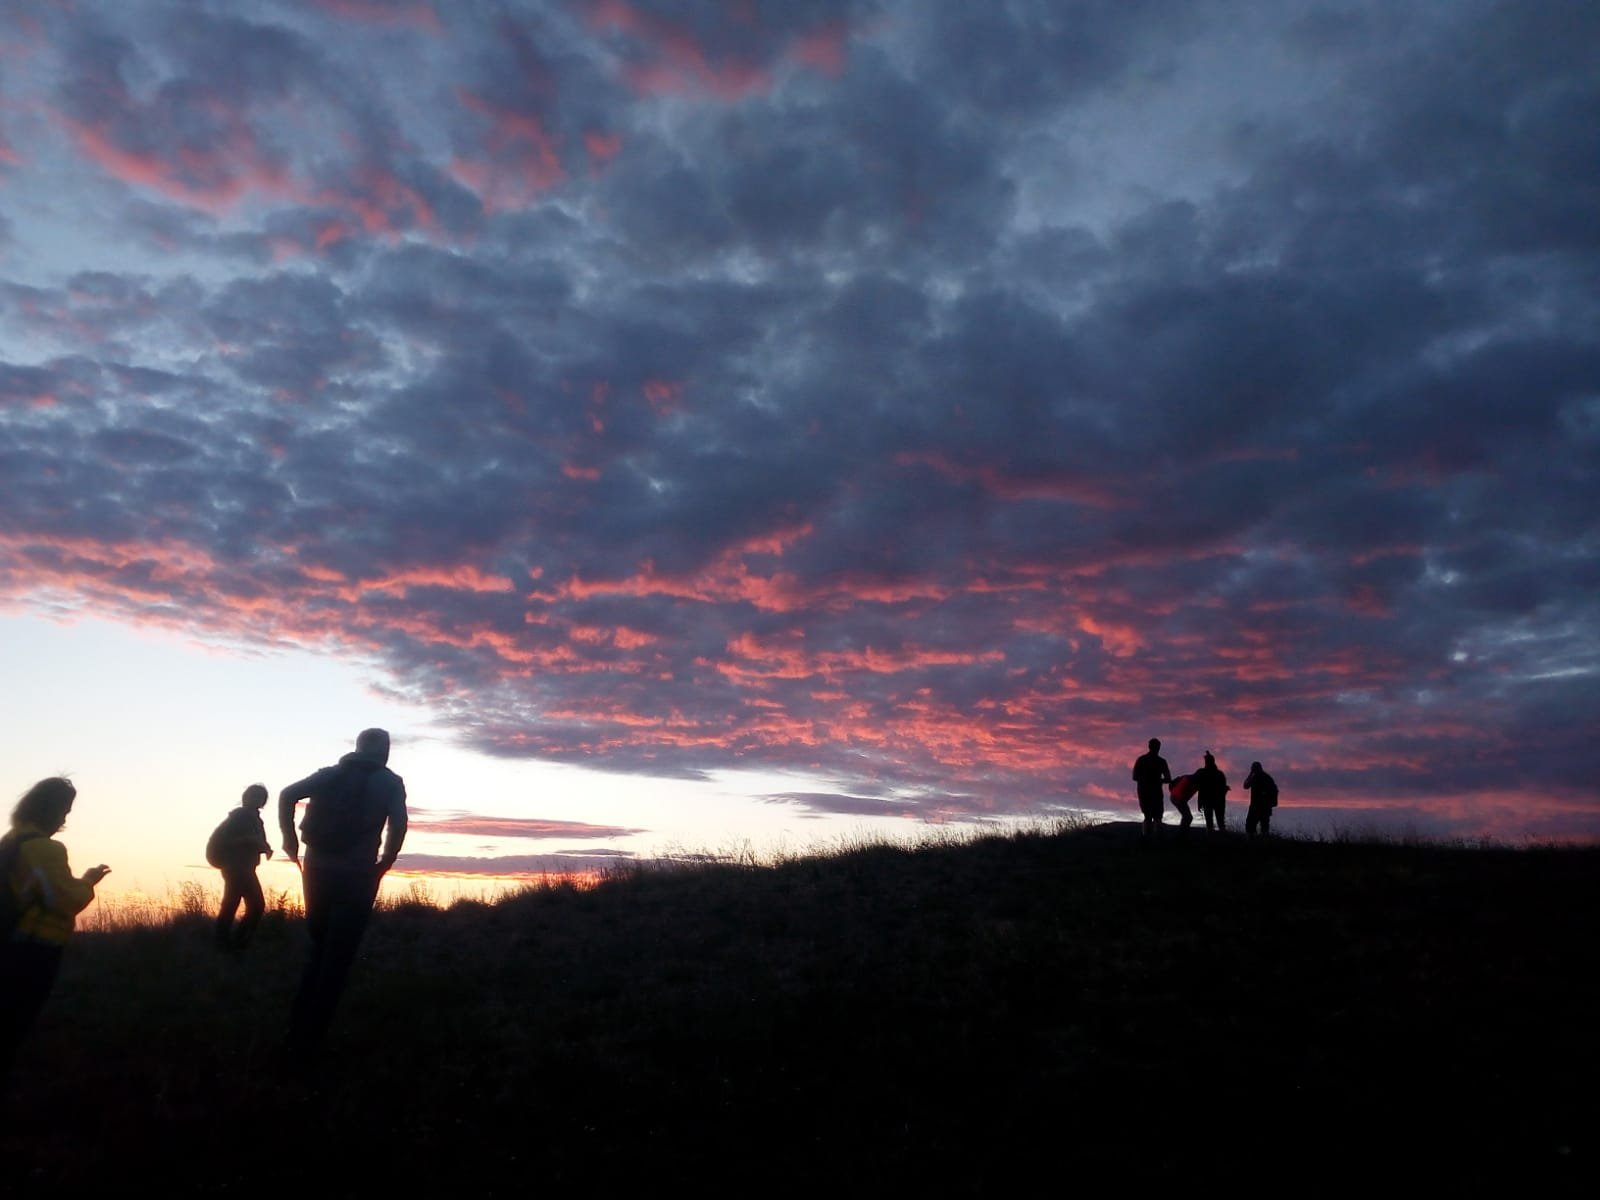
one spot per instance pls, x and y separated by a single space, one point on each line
934 398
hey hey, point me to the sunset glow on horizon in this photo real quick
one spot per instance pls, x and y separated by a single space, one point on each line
694 423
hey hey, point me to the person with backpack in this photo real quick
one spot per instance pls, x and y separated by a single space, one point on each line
40 899
350 804
235 848
1263 791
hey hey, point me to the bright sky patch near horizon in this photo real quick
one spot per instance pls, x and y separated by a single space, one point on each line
690 422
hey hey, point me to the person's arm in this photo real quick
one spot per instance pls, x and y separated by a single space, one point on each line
395 835
287 799
262 845
1166 772
52 881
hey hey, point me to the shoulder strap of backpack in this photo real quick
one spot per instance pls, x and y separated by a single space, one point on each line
9 853
13 847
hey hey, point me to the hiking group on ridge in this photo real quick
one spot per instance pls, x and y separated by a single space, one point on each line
1208 785
352 805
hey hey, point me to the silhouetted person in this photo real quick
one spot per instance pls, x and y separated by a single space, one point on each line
1180 790
44 897
1150 774
1263 791
236 849
1211 787
350 805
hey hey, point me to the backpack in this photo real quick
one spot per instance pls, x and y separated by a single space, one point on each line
219 841
10 910
341 814
1266 791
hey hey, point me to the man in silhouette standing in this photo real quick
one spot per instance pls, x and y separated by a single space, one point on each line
1211 785
1150 774
1263 791
350 804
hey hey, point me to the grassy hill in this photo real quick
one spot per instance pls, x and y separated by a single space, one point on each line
951 1017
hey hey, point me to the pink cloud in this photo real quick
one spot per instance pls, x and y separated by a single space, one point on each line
1053 486
383 202
602 147
461 577
213 178
823 49
662 395
521 160
517 827
417 14
671 61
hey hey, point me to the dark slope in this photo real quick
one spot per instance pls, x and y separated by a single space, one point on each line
1209 1010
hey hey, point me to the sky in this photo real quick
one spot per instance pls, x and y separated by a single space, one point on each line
693 423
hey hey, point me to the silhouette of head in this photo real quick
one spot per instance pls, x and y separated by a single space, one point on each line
1155 744
46 804
254 796
1255 766
1210 761
374 743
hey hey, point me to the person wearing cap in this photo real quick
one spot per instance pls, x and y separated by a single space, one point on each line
1150 775
351 805
1211 786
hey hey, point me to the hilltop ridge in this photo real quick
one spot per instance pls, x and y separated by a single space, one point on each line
952 1015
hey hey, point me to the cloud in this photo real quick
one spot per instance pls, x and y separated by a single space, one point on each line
515 827
532 868
855 806
940 403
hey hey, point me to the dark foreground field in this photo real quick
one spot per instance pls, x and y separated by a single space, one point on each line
955 1018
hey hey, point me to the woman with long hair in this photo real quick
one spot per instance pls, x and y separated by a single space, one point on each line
43 898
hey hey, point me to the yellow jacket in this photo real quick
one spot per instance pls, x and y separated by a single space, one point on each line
48 893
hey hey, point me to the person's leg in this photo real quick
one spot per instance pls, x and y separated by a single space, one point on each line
29 971
1205 810
347 904
231 895
314 885
1221 809
254 905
